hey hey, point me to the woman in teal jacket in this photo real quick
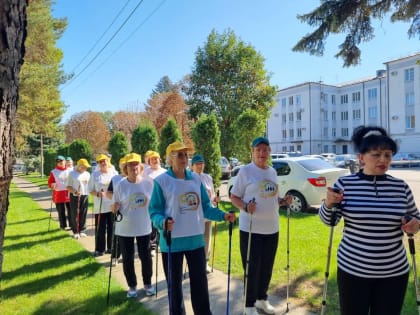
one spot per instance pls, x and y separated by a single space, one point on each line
179 194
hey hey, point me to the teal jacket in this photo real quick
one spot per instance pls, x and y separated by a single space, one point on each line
157 214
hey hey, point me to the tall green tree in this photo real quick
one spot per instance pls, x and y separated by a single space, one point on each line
40 107
206 137
144 138
228 77
80 149
354 18
117 147
250 124
169 133
164 85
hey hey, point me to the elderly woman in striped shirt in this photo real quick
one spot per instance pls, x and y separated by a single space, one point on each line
372 263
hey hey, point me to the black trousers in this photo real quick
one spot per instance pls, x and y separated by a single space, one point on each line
143 249
261 260
103 231
78 213
363 296
62 208
196 260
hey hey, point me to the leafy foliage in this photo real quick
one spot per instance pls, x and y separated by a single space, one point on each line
125 121
164 85
118 147
170 133
40 108
144 138
354 19
228 78
91 127
206 137
79 149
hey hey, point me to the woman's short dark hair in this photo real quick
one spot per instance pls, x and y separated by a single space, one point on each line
367 138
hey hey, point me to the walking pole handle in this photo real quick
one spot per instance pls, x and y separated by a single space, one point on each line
168 234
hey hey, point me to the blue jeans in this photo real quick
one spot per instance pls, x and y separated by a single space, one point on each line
261 260
196 260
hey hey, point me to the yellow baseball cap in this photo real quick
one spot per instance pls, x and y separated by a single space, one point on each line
133 157
83 162
176 146
154 154
101 157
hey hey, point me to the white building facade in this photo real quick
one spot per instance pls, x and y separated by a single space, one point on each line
314 117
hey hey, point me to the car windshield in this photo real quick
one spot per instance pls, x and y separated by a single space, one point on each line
314 164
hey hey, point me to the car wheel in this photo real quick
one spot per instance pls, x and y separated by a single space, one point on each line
299 203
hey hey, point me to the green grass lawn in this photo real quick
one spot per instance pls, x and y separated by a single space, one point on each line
43 271
48 273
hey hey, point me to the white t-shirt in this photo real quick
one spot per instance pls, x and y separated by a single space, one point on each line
153 173
79 181
261 184
100 181
134 201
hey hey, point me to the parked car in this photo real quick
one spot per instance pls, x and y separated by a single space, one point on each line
305 178
329 156
275 156
350 161
225 167
402 159
318 156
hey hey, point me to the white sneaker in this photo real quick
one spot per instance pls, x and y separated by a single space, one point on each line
132 292
83 234
152 253
251 311
114 262
150 290
76 236
265 306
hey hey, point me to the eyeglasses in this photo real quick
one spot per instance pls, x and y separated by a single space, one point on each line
180 155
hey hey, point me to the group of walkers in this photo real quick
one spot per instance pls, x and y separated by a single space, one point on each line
178 205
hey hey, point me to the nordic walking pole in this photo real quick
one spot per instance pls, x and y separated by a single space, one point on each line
229 260
168 237
78 212
214 234
117 218
327 270
412 248
288 259
247 257
99 217
157 259
49 220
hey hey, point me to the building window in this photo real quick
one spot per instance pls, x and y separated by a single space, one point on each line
284 148
291 148
333 99
326 148
283 101
372 112
345 115
409 74
283 117
299 148
298 100
355 97
299 132
334 132
372 93
344 132
291 133
409 99
284 133
325 115
356 113
344 99
290 116
299 116
410 122
290 100
325 132
333 115
324 97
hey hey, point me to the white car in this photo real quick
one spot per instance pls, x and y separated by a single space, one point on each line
305 178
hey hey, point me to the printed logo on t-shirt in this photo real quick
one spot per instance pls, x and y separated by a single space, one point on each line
188 202
267 189
137 201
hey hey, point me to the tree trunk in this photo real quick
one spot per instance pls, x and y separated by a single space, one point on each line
12 37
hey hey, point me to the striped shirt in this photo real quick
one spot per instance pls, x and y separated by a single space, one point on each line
372 208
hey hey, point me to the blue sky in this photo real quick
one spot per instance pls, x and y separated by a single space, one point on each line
162 36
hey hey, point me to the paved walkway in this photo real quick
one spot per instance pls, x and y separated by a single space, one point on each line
217 280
